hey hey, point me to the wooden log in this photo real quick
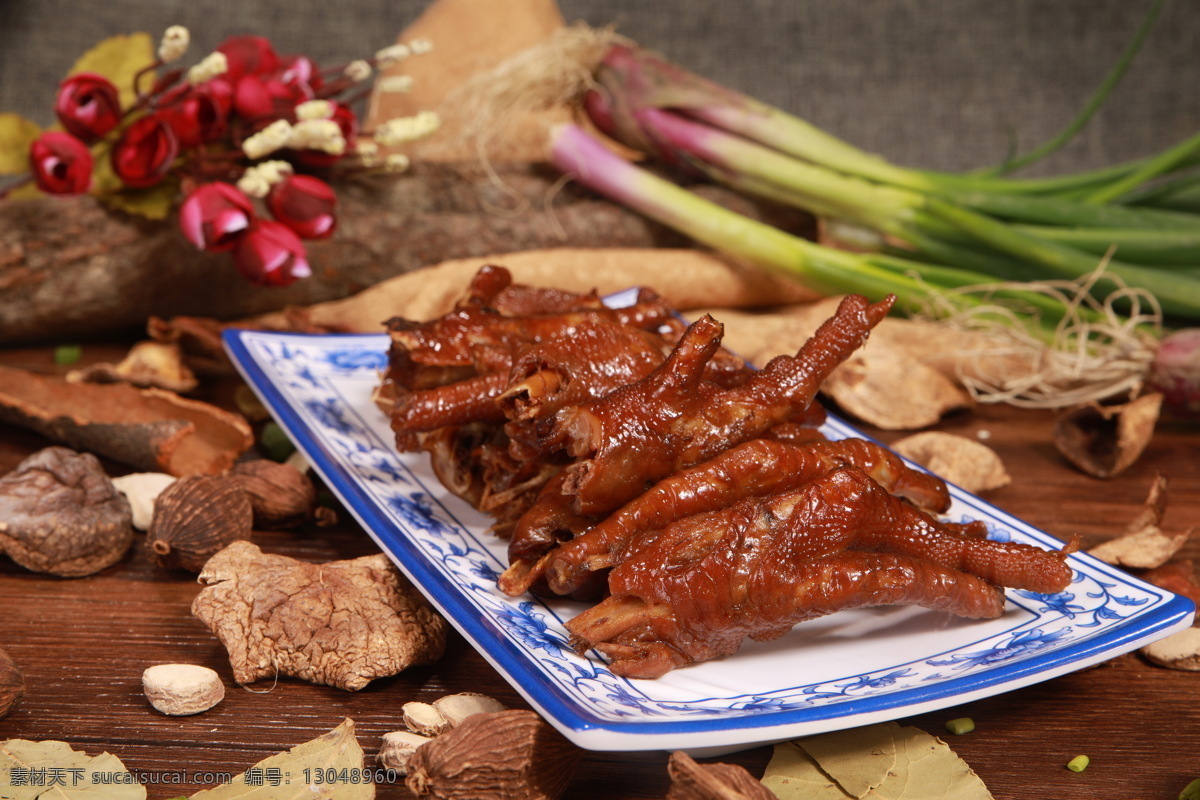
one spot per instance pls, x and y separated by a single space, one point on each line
70 268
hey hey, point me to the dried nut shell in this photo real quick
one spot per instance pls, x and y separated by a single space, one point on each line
398 748
457 707
504 754
12 683
1104 441
194 518
182 689
280 494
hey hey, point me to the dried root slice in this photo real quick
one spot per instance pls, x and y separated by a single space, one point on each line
424 719
398 748
12 683
513 755
455 708
148 429
1177 651
182 689
959 460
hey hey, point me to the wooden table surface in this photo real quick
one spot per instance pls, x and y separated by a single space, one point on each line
83 643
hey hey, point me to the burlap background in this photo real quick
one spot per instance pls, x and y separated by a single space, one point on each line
937 83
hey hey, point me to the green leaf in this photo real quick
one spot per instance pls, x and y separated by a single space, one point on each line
51 770
325 768
119 58
16 134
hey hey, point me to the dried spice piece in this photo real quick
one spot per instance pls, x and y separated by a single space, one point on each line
503 755
1178 651
142 489
455 708
851 764
398 748
335 753
343 623
100 777
148 364
281 495
692 781
1105 440
424 719
60 514
1179 577
148 429
12 683
194 518
182 689
957 459
1144 545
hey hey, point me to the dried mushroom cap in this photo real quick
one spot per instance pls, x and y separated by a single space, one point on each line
343 623
60 514
12 683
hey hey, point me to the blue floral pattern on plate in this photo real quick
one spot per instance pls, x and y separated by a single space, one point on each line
848 669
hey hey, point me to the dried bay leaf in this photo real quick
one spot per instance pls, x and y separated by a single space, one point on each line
51 769
925 768
282 776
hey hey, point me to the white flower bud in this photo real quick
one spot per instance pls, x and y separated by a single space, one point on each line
396 162
271 138
389 56
395 83
407 129
174 44
357 71
420 47
211 66
318 134
314 109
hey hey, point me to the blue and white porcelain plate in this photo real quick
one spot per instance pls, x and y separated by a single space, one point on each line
848 669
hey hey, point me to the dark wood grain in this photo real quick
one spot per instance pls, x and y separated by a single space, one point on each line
83 644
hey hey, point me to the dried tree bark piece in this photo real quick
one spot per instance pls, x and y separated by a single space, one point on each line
149 429
962 461
693 781
1105 440
1144 545
60 514
342 623
12 683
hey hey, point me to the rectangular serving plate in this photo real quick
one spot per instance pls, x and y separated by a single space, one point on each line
848 669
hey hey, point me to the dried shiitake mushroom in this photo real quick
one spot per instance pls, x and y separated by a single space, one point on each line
280 494
195 517
12 683
60 514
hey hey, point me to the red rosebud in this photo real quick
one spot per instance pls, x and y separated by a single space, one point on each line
60 163
145 151
348 122
198 114
215 216
305 204
300 70
248 55
87 105
270 254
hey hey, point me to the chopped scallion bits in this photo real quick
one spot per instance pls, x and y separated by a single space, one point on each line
66 354
1078 763
960 725
276 442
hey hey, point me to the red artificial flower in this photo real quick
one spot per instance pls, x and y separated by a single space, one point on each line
87 106
300 70
144 153
198 114
348 122
60 163
248 55
270 254
265 98
305 204
215 216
